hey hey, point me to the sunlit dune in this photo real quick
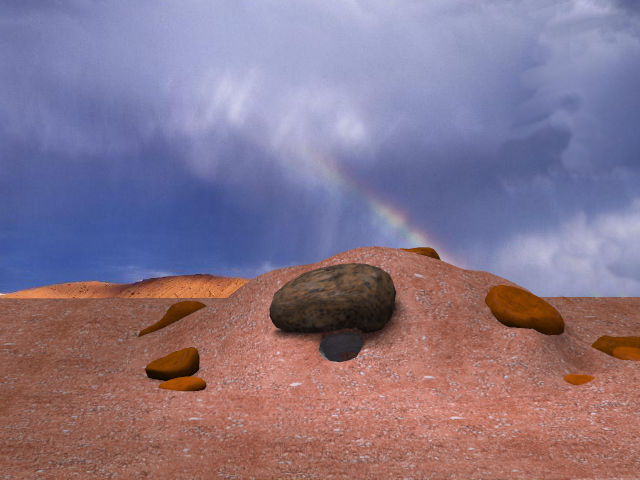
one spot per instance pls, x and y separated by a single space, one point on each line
179 286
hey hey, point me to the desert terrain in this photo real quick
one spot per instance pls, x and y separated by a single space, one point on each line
444 390
178 286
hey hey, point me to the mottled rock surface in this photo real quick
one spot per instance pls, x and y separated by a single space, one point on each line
353 295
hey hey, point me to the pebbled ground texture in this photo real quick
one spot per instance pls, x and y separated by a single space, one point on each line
444 390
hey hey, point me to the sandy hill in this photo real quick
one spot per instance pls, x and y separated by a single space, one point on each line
444 390
179 286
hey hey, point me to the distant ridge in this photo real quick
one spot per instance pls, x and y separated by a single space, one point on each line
178 286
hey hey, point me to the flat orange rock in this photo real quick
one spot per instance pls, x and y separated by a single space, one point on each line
426 251
181 363
627 353
608 344
515 307
176 312
444 390
186 384
578 379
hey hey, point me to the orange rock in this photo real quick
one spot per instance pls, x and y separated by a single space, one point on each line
608 344
426 251
577 379
186 384
176 312
181 363
515 307
627 353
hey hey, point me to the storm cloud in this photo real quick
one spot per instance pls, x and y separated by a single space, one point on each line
234 137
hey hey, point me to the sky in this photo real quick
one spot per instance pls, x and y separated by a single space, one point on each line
152 138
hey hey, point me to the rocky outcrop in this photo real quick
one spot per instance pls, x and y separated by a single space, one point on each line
353 295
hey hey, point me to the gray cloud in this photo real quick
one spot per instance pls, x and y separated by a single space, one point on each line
30 7
628 5
484 122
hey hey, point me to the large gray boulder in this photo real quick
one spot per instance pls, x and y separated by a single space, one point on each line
351 295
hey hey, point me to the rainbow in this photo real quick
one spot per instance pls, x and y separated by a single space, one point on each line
335 175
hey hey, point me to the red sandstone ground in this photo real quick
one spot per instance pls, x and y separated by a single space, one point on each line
443 391
179 286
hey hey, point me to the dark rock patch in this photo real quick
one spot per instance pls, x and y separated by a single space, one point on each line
341 346
352 295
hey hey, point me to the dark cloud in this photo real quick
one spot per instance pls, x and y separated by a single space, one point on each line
628 5
23 7
624 269
538 153
142 137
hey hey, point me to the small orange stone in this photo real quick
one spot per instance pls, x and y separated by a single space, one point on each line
627 353
515 307
187 384
426 251
180 363
608 344
577 379
176 312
